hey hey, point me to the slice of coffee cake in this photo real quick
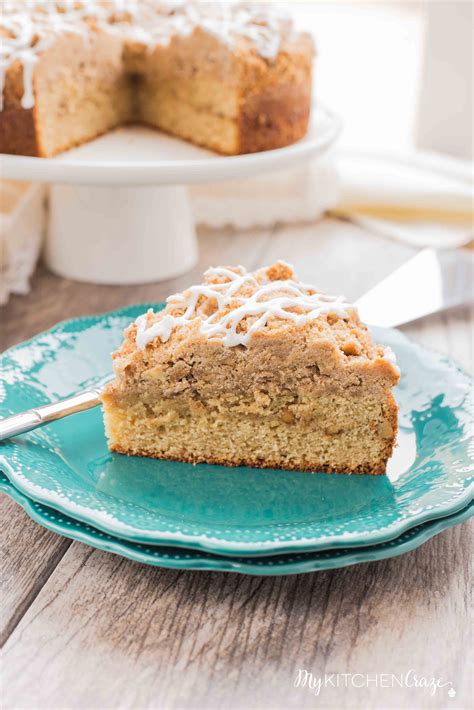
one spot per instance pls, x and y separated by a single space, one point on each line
254 369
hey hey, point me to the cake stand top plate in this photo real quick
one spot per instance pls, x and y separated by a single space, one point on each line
140 156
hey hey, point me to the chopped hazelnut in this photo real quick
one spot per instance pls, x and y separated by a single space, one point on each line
332 429
280 271
288 417
351 347
385 430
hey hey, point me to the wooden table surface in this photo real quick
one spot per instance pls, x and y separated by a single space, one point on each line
81 628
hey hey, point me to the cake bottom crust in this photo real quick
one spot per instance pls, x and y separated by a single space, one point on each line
370 469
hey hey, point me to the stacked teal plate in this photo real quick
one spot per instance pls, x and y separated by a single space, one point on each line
180 558
211 517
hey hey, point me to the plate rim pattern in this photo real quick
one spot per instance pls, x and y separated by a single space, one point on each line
200 560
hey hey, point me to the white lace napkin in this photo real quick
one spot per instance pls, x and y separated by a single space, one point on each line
22 224
301 193
420 199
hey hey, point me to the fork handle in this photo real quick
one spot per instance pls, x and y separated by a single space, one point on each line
37 417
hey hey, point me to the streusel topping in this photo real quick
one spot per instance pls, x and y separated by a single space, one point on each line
233 305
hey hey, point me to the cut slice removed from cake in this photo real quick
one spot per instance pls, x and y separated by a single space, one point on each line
234 77
254 369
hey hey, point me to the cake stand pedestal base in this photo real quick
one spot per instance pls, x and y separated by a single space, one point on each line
120 235
116 213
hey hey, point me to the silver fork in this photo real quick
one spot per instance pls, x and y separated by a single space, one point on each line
39 416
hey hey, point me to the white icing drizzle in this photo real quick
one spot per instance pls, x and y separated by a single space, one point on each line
28 60
27 27
390 357
286 299
3 69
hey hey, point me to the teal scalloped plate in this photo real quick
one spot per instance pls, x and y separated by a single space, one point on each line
179 558
243 511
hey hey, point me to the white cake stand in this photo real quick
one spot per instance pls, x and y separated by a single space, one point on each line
119 210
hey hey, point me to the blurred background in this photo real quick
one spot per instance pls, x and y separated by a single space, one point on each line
400 73
399 76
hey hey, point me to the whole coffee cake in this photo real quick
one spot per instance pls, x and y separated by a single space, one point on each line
230 76
254 369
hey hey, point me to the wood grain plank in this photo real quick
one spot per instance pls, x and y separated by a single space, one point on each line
28 556
108 633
